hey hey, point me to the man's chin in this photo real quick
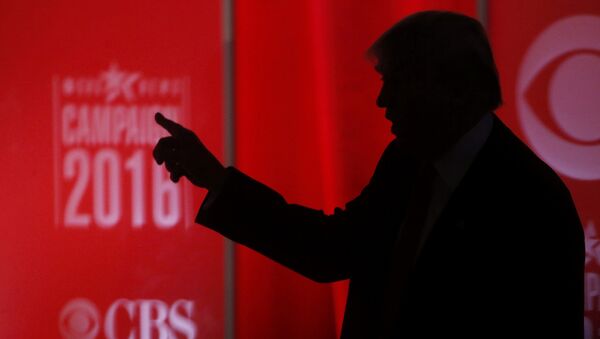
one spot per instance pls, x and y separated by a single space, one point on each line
396 130
403 133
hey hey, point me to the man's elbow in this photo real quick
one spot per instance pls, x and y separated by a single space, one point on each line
327 278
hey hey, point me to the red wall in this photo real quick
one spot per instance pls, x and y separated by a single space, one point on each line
306 124
59 246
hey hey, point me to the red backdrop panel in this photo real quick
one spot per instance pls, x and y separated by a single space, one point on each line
308 126
95 239
548 55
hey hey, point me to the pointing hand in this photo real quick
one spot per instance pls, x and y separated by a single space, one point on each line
184 155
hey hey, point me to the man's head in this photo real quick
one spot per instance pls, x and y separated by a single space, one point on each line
439 78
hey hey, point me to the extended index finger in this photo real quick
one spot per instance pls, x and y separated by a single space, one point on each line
171 126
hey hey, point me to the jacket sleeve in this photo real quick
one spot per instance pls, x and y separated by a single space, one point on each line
318 246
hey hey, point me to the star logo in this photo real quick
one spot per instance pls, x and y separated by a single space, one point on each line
118 83
592 246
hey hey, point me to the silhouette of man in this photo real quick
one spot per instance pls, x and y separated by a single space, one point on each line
462 232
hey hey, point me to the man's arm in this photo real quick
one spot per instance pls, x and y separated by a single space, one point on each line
318 246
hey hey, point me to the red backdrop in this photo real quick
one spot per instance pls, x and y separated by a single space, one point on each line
75 246
94 239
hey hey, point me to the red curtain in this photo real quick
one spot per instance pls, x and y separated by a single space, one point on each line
307 125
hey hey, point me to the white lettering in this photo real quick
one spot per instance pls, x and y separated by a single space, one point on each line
106 175
111 125
183 322
107 179
110 321
148 322
83 124
76 158
592 291
101 122
147 318
165 202
135 165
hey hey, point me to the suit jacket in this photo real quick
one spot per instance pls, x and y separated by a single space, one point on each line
504 259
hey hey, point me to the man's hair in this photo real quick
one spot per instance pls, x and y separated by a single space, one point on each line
443 54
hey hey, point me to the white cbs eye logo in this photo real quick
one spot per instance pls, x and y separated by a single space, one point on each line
79 319
572 147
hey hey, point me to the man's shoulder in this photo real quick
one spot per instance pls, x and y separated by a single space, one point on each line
514 166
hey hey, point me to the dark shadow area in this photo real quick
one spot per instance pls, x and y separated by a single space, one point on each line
462 230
